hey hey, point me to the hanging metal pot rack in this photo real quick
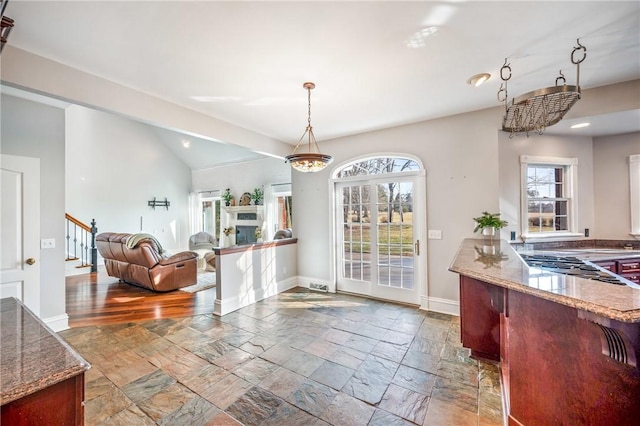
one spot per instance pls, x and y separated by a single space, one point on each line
535 111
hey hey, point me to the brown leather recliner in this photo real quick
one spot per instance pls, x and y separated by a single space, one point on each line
143 265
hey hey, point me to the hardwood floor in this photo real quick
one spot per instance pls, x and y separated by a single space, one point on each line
97 299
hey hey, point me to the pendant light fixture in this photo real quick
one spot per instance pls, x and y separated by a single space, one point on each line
309 161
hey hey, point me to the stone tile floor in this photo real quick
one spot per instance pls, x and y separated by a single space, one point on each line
299 358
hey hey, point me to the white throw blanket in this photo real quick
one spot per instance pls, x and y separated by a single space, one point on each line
135 239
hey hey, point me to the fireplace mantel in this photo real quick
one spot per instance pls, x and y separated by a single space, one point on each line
246 218
243 209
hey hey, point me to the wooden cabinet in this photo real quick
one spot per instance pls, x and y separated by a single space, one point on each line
609 265
41 376
59 404
480 306
626 268
559 365
630 269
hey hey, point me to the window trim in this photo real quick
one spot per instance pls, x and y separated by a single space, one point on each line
634 199
571 188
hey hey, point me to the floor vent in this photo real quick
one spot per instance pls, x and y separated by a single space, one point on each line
318 287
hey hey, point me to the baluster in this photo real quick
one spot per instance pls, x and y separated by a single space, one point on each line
94 250
75 241
68 242
83 246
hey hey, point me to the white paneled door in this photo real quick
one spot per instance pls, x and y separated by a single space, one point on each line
379 238
20 226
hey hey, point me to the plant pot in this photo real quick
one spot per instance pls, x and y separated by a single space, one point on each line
489 231
489 250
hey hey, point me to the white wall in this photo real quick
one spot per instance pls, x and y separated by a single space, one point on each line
114 167
26 70
545 146
32 129
248 276
611 184
242 177
460 154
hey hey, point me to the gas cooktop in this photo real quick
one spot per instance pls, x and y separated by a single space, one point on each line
572 266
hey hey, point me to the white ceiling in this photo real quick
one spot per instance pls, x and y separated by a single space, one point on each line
245 62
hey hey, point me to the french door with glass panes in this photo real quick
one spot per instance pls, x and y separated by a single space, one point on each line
379 236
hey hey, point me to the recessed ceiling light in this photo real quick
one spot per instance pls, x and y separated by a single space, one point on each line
186 143
580 125
478 79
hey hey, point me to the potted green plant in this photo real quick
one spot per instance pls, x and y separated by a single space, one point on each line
227 197
257 195
488 223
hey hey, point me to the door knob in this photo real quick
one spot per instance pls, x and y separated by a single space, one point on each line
31 261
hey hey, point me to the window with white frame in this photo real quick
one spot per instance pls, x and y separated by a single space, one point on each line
634 185
549 196
210 215
281 207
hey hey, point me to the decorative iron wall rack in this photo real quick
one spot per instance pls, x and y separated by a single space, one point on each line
154 203
535 111
6 25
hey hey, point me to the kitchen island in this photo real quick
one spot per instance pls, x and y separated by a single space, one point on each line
568 347
41 377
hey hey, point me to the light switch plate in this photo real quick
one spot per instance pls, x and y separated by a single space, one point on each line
435 234
48 243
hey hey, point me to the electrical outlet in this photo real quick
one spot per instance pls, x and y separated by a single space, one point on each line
435 234
48 243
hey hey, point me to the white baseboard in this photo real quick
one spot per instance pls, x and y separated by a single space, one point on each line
287 284
57 323
233 303
444 306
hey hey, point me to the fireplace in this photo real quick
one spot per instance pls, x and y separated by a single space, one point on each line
245 234
246 220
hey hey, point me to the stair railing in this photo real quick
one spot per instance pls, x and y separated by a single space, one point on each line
80 239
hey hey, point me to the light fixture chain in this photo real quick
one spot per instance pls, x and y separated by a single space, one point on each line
309 106
309 161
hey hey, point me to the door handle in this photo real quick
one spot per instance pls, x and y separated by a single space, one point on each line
417 248
30 261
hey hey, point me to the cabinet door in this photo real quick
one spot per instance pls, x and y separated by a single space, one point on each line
480 307
610 265
630 269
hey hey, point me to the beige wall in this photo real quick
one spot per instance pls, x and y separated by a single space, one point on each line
545 146
462 156
31 129
611 184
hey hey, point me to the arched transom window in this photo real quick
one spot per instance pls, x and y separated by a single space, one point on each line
377 166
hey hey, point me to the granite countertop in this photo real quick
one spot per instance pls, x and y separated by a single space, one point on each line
496 262
590 254
32 357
